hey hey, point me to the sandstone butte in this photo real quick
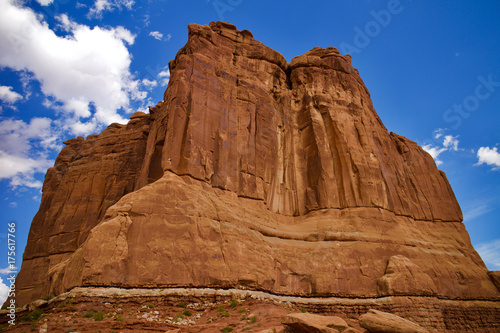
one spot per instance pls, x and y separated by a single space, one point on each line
259 174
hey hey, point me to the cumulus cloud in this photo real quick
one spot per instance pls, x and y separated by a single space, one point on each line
4 291
102 6
88 67
490 156
8 95
490 252
156 35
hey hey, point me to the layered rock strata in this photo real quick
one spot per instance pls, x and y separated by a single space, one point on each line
253 173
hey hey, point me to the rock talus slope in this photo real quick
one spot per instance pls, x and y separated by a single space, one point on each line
253 173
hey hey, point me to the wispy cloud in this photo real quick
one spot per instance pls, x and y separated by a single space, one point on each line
156 35
476 212
490 252
6 270
102 6
449 143
146 20
149 84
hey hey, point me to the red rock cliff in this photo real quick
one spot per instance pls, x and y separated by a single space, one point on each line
253 173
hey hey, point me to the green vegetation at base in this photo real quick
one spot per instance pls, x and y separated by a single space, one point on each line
34 316
98 316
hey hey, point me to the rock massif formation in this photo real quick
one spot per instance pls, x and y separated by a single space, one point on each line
253 173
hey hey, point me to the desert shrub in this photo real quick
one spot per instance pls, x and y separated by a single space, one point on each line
98 316
34 316
89 314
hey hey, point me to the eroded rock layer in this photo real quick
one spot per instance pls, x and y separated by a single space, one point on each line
253 173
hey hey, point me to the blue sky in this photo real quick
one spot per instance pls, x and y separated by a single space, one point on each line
71 68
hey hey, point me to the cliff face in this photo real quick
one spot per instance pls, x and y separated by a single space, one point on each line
253 173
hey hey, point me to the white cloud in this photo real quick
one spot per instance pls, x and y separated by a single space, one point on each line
451 142
101 6
490 156
8 95
20 170
156 35
439 132
122 33
149 83
87 66
434 152
164 76
4 291
15 135
23 150
490 252
65 23
45 2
